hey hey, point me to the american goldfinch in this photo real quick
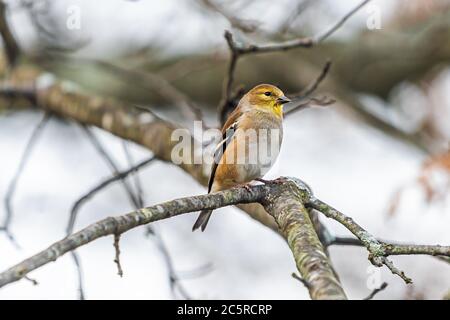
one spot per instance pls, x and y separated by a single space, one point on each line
252 129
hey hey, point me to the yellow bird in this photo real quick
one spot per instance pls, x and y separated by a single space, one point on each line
251 142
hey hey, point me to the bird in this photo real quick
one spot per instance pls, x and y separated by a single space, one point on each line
254 126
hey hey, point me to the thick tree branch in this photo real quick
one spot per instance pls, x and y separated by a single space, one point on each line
284 201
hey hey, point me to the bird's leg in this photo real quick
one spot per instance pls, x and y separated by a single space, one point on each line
276 181
246 186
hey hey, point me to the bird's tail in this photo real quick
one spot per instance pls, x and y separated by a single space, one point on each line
202 220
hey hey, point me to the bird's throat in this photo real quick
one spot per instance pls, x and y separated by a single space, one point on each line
278 110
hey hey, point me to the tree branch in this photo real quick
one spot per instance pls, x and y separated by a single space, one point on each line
11 47
284 201
239 49
378 250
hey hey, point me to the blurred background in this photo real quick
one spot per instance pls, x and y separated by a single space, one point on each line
380 153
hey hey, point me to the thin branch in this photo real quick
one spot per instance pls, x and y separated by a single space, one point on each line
10 44
239 49
34 137
246 26
121 224
159 85
117 257
328 33
322 102
226 103
312 263
136 200
174 278
114 168
314 85
378 250
376 291
99 187
301 6
137 182
303 281
77 261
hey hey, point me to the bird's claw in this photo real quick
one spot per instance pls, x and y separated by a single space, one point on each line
276 181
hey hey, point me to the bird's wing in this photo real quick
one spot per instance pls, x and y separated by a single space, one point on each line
228 131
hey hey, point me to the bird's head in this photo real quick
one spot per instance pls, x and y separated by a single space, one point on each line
267 98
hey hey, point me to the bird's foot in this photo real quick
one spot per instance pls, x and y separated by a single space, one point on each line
276 181
246 186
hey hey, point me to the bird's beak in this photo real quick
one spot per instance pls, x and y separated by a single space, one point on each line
283 100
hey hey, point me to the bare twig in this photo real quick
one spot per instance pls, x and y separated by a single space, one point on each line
226 102
303 281
239 49
33 281
88 195
314 85
22 163
11 47
324 101
301 6
376 291
246 26
328 33
174 278
378 250
160 86
137 201
117 257
114 168
77 261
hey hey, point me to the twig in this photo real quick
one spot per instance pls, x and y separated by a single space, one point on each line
137 183
10 44
99 187
77 261
328 33
114 168
137 201
303 281
302 5
33 281
174 278
378 250
399 247
160 86
324 101
121 224
117 257
375 291
22 163
246 26
314 85
226 102
238 50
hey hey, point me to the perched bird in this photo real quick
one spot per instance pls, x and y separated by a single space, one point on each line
253 129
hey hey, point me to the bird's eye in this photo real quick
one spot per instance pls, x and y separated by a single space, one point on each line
268 93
